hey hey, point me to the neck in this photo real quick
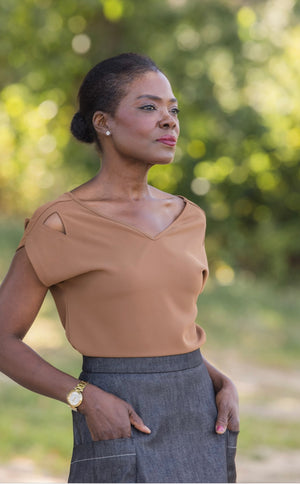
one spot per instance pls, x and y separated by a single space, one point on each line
123 180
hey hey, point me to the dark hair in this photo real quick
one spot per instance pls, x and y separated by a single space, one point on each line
103 88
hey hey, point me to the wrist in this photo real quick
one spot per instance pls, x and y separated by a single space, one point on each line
218 378
220 381
91 397
75 396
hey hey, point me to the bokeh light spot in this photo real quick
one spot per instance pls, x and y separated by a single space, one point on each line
219 210
81 43
47 143
246 17
266 181
239 174
196 148
77 24
113 10
48 109
224 274
187 38
259 162
200 186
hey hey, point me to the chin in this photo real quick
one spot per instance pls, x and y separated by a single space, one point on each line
163 162
160 162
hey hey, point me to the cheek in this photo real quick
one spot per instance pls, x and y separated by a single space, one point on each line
133 140
139 130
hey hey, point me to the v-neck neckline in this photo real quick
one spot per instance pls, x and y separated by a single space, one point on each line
129 226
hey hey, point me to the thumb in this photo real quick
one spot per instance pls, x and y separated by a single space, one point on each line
137 422
221 424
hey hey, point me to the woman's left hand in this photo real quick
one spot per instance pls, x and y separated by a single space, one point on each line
227 401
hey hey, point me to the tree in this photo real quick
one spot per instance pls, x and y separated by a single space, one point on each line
235 71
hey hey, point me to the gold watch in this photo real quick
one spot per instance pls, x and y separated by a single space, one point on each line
75 397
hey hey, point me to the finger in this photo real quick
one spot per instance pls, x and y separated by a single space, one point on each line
221 423
233 424
137 422
220 429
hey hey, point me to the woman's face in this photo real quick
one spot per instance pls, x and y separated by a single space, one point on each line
145 126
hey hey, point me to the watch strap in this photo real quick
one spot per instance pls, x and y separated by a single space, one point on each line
79 389
80 386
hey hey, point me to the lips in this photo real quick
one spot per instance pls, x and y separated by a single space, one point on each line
167 140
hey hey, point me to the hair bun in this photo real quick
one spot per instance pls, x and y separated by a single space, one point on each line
80 129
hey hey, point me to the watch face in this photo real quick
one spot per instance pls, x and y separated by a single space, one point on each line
75 398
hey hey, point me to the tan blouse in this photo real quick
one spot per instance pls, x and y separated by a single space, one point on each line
120 292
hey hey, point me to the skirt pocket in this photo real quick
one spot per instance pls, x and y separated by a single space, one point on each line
104 461
231 453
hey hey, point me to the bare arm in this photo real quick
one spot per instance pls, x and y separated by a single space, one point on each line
21 296
226 400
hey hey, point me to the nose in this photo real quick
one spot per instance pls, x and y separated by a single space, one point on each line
168 121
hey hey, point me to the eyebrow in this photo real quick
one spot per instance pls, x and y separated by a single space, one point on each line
156 98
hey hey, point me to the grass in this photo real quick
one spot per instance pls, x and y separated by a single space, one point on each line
258 432
36 428
253 334
257 317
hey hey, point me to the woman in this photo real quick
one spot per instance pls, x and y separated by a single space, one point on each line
125 263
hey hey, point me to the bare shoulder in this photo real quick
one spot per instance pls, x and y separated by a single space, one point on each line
177 201
55 222
169 197
88 190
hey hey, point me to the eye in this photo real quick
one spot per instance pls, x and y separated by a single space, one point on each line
175 111
148 107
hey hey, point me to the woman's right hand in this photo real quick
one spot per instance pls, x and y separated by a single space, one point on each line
108 416
21 295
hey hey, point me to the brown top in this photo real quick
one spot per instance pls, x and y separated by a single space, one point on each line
120 292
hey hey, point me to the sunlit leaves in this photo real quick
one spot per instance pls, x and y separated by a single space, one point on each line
166 177
113 9
196 148
214 171
187 37
77 24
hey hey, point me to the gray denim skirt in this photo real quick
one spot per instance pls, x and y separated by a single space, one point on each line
175 398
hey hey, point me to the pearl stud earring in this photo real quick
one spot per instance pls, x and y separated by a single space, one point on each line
107 133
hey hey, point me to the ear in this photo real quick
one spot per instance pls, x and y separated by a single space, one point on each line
100 122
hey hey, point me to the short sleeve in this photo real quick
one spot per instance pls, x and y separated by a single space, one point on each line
48 250
205 272
202 220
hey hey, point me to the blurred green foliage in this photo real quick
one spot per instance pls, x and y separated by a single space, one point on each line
235 69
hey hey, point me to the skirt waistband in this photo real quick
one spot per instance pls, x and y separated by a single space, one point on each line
153 364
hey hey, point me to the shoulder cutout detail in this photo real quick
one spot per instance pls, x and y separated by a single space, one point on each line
55 222
26 222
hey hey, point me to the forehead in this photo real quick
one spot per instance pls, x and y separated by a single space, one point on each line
151 83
